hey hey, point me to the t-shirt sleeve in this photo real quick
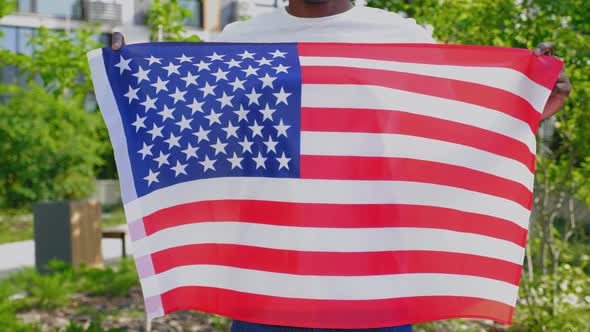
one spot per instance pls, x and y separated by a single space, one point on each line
228 34
421 34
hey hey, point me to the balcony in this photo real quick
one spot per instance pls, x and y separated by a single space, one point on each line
106 12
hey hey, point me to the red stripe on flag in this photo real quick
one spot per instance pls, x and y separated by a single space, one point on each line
544 71
402 169
329 313
334 215
397 122
477 94
335 263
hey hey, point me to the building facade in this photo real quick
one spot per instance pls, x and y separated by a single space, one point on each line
126 16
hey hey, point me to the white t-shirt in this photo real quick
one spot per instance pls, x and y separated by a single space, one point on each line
358 25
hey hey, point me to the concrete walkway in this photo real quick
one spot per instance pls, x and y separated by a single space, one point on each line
16 255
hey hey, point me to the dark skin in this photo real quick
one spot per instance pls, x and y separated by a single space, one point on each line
322 8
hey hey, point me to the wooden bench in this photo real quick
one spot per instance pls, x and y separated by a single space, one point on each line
118 232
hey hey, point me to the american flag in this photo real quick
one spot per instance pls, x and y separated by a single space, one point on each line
326 185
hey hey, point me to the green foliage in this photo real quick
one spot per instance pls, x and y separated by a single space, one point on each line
49 148
59 61
167 17
93 327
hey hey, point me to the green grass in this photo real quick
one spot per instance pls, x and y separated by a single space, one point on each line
17 225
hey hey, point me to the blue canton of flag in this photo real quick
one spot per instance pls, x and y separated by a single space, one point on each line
217 110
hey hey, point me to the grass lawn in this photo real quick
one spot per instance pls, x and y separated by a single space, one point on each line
17 225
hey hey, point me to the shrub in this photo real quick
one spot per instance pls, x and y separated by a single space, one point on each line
48 148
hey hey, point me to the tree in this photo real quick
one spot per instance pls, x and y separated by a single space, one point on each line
166 18
48 147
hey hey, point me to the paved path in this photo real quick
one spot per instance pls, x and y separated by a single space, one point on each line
16 255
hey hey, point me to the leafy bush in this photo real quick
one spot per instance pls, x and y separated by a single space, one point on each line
48 148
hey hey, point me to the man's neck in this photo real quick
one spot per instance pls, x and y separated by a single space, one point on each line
310 9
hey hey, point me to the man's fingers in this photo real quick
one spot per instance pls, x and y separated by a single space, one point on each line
118 41
563 88
545 48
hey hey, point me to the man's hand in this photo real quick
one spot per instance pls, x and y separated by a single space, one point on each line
118 41
561 89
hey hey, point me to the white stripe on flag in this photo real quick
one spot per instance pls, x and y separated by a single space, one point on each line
506 79
413 147
322 239
330 287
330 192
376 97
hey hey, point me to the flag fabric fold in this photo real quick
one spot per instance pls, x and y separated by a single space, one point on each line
326 185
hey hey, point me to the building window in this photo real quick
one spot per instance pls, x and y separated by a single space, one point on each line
8 38
60 8
16 39
57 8
25 6
196 7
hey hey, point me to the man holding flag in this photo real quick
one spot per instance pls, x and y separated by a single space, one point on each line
341 21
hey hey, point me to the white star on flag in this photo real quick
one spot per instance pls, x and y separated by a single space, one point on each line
142 75
256 129
208 164
283 162
172 69
178 95
166 113
208 89
184 123
160 85
123 64
190 152
173 141
220 75
202 135
196 106
179 169
253 96
149 103
247 55
145 151
282 97
267 81
278 54
202 65
156 131
235 161
281 129
132 94
213 117
237 84
281 69
242 114
270 145
225 100
184 58
152 177
216 56
264 61
190 79
139 122
219 147
267 113
246 145
153 60
230 130
233 63
260 161
251 71
162 159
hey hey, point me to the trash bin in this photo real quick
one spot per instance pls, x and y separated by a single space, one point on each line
69 231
